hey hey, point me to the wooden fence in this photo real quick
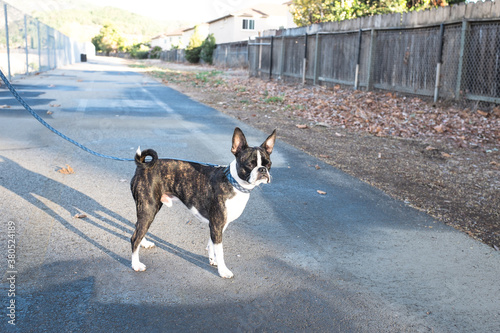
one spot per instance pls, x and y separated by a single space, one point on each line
453 61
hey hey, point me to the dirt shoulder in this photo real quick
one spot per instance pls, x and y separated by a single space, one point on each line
441 159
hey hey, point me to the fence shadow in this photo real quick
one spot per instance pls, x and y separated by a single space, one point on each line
38 189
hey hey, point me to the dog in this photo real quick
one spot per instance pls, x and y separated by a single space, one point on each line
214 194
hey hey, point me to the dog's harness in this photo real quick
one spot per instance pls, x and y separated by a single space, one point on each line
234 182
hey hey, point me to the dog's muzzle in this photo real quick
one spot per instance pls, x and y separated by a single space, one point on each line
263 174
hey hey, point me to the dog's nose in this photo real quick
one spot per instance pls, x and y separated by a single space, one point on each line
262 170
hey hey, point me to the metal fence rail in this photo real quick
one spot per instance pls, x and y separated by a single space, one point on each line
453 61
29 46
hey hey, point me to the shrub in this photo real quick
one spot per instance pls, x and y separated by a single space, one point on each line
155 53
193 54
207 49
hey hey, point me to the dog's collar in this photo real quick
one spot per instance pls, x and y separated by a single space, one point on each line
234 182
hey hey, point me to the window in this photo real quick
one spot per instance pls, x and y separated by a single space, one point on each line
248 24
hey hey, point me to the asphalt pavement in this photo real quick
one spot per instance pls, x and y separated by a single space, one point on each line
350 260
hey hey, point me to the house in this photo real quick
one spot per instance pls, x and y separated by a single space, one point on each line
243 24
168 40
187 33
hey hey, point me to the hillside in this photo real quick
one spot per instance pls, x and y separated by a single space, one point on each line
82 21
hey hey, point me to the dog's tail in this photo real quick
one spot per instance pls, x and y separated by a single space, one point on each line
140 158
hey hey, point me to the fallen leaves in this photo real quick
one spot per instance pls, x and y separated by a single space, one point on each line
321 192
378 113
66 171
80 216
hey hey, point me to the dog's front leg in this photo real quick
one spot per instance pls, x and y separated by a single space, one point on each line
224 272
215 250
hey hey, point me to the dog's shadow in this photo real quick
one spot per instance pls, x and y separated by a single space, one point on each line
38 189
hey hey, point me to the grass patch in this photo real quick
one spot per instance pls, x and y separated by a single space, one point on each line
275 99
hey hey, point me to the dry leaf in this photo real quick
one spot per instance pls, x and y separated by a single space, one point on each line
301 126
49 112
482 113
430 148
439 128
80 216
445 155
5 106
317 167
496 111
321 192
324 156
66 171
339 135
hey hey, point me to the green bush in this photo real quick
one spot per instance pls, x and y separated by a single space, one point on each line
155 53
207 49
139 51
193 54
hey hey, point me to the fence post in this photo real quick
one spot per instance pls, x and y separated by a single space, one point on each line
356 74
371 59
282 56
316 59
271 59
7 39
26 44
39 46
465 28
304 67
439 62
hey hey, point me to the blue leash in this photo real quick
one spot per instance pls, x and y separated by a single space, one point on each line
44 123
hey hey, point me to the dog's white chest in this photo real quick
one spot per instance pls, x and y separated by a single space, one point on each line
236 205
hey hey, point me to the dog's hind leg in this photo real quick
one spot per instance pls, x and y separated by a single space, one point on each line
211 253
144 220
147 244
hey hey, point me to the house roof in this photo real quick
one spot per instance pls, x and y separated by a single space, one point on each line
262 10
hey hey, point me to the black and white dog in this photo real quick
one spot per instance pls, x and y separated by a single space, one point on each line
214 194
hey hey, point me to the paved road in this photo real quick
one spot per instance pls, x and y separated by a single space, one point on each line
353 260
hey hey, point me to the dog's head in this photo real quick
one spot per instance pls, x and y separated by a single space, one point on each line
253 163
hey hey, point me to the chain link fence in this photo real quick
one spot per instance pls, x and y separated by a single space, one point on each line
452 61
231 55
29 46
175 55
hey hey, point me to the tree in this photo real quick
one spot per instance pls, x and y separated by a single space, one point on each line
207 49
108 40
193 49
307 12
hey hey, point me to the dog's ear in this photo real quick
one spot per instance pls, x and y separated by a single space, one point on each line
239 141
268 145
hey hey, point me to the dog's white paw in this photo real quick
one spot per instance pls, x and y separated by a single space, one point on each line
212 261
147 244
138 266
225 273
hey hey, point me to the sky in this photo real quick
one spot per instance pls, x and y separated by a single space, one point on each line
182 10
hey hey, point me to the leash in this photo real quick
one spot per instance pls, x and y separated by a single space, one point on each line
44 123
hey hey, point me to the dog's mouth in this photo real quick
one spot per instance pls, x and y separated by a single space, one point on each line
263 177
